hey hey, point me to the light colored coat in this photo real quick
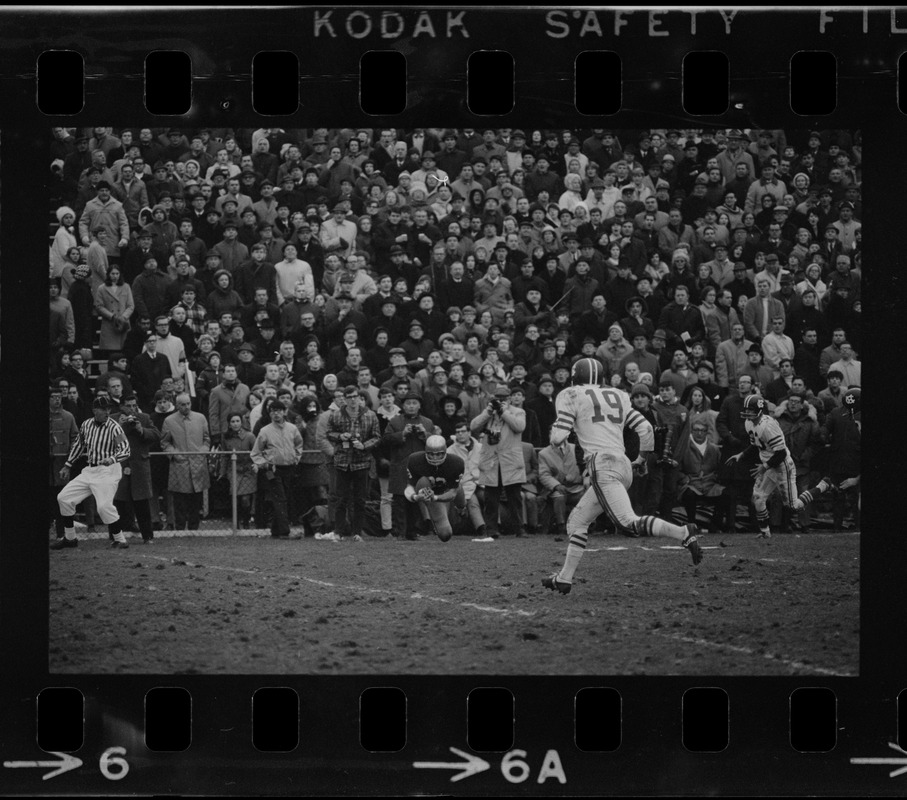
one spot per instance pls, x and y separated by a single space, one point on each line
188 474
110 301
559 468
471 460
507 453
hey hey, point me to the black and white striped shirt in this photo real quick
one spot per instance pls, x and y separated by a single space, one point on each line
98 442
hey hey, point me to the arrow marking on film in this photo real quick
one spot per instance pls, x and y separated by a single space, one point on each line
472 766
66 763
893 773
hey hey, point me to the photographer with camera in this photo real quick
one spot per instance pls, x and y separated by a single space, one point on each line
501 467
404 435
355 433
134 491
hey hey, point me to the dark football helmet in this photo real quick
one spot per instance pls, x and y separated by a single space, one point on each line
753 407
586 371
851 400
435 450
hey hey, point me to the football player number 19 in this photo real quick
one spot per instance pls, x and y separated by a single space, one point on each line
607 397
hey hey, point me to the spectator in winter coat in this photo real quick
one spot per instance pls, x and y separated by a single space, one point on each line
223 297
103 212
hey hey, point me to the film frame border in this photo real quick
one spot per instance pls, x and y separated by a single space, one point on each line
869 698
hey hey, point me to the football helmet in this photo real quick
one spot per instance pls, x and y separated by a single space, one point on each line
586 371
753 407
435 450
851 400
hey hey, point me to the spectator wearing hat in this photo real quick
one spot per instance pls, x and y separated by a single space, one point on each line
256 273
81 302
761 375
502 467
768 184
232 252
699 463
416 347
734 154
338 233
613 350
542 179
186 431
680 319
107 214
404 435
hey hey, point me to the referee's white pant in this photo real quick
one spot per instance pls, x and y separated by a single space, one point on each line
99 481
611 475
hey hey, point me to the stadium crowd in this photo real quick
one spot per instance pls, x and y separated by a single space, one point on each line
421 277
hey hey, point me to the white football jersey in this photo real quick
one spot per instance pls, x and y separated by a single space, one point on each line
766 434
598 414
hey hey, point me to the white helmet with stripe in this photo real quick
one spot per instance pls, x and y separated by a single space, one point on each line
587 371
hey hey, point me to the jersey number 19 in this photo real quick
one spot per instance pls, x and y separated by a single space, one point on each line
606 397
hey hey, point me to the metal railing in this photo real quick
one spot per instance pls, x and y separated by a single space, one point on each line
215 464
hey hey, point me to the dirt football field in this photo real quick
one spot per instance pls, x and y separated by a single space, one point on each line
253 605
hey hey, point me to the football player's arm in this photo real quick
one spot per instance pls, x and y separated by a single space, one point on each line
410 492
450 494
748 454
563 425
776 444
643 428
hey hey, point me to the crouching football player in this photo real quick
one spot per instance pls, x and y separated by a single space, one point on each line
775 470
433 481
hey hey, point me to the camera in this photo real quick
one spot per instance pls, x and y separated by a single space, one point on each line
496 406
493 438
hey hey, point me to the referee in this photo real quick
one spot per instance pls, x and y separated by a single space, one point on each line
103 442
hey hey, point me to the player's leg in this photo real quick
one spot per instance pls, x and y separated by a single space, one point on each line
439 515
104 489
582 516
610 479
762 489
807 497
70 496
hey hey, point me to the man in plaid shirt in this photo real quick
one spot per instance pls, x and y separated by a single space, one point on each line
354 432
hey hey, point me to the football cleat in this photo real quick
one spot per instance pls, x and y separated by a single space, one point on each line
764 535
553 582
115 545
692 543
62 544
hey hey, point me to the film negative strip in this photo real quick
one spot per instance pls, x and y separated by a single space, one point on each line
240 171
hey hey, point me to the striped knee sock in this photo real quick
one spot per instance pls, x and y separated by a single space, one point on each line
762 518
575 548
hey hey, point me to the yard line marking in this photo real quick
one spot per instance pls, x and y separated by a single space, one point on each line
361 589
517 612
749 651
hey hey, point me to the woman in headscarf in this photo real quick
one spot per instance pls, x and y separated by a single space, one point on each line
64 239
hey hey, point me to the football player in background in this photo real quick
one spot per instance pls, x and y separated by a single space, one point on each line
775 470
433 481
599 415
